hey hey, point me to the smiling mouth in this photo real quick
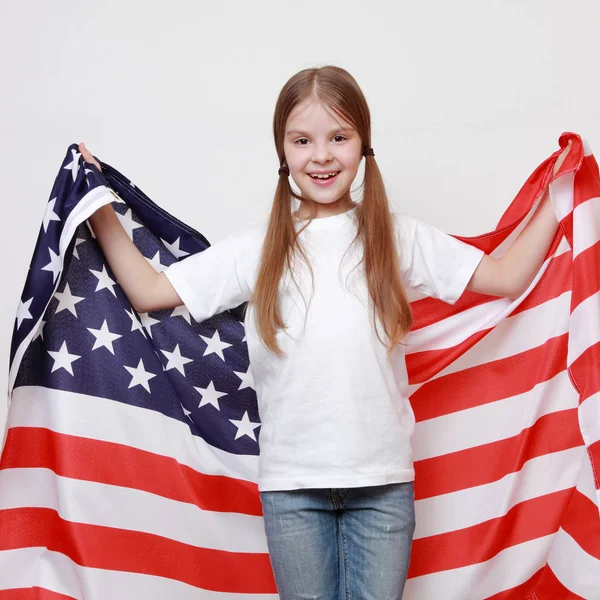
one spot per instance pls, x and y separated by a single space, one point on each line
323 176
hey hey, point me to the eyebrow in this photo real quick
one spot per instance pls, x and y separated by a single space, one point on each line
300 132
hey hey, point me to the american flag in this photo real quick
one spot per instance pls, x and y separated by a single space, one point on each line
129 466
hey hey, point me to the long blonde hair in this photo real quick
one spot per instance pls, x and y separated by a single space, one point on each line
339 91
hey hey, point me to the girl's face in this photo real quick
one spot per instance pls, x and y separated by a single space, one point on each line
319 142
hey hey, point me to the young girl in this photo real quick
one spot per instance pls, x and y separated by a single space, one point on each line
327 311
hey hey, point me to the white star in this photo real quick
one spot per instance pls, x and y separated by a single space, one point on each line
86 171
176 361
215 345
62 359
67 301
244 338
186 412
39 332
148 321
155 262
209 395
104 281
139 376
182 311
53 265
128 223
245 427
77 242
104 338
49 215
73 166
132 184
135 322
174 248
247 379
23 312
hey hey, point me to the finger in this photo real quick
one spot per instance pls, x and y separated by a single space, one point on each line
87 156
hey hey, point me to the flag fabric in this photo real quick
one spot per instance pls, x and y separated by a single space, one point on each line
129 464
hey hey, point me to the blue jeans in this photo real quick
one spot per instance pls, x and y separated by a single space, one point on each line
340 544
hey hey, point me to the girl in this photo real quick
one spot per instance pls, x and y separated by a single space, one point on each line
327 311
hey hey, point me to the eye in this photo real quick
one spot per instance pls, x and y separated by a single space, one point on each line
341 138
301 140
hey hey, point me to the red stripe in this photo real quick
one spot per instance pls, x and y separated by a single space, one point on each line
422 366
32 593
566 225
585 373
586 272
136 552
428 311
491 381
594 454
587 185
490 462
581 522
527 521
118 464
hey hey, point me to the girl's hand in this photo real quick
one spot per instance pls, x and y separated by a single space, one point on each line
87 157
561 158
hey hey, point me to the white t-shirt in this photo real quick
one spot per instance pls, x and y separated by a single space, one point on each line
333 408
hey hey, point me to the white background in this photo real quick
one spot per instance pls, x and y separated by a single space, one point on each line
467 98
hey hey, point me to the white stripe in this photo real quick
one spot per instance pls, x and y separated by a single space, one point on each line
585 323
587 151
577 570
493 421
589 419
585 483
586 226
31 567
123 508
514 335
561 193
589 423
112 421
465 508
457 328
507 569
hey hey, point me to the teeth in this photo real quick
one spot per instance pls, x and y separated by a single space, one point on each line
323 176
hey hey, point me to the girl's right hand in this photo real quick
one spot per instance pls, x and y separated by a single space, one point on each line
87 157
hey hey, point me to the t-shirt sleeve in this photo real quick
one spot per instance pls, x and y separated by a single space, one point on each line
218 278
433 262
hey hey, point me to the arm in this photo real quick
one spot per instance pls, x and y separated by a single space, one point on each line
511 274
146 289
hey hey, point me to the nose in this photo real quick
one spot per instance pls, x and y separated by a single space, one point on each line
321 153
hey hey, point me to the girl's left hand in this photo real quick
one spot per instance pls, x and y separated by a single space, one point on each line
561 158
